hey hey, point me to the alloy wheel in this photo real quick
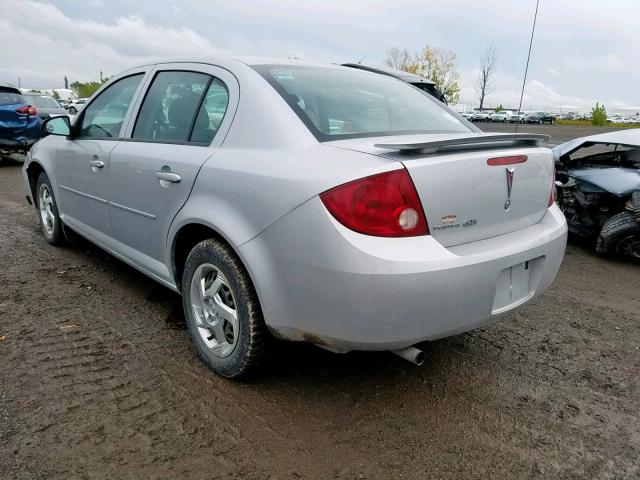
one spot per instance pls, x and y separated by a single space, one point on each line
45 205
214 310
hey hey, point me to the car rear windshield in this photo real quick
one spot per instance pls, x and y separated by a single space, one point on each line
43 102
9 97
336 103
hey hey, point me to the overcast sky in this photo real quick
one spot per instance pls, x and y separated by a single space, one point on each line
584 50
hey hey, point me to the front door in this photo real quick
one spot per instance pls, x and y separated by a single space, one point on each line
180 123
82 164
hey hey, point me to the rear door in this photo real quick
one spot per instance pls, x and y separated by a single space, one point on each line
179 124
81 163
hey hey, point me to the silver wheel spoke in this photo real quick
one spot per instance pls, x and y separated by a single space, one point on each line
215 287
198 316
226 313
218 331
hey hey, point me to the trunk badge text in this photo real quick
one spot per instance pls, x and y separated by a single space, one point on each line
449 222
509 171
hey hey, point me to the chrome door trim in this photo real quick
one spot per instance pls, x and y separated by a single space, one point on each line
82 194
133 210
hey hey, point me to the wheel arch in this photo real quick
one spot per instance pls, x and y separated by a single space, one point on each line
188 236
34 169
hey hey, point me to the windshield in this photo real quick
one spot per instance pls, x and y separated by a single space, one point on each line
339 103
43 102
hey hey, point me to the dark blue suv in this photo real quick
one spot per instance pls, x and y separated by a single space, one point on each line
19 122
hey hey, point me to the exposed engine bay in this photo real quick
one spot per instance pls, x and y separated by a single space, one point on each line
598 187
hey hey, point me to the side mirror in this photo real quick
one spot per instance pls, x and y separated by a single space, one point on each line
57 126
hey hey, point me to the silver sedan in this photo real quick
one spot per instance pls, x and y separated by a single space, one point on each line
306 201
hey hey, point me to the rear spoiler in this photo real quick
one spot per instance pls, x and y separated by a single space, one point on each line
473 141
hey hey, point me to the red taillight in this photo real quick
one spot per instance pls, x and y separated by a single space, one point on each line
27 110
383 205
554 191
507 160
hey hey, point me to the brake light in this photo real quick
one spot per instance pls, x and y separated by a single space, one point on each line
507 160
27 110
554 190
383 205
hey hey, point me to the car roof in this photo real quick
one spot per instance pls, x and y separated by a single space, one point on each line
7 88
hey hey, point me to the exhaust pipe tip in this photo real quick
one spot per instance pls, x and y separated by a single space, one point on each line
411 354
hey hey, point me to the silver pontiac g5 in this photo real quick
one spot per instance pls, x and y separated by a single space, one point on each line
306 201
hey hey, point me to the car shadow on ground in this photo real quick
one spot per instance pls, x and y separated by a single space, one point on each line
11 160
287 361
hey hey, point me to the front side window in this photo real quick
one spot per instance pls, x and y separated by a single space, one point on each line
103 118
182 107
338 103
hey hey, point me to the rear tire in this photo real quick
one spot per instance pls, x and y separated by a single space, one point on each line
620 235
50 222
222 310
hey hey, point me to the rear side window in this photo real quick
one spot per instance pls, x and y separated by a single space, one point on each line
10 98
182 107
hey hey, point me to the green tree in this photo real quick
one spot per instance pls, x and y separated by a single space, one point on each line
598 115
433 63
86 89
499 108
56 95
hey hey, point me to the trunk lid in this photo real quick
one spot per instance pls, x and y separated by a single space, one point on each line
464 198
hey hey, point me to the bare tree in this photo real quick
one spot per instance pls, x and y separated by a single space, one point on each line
398 59
488 65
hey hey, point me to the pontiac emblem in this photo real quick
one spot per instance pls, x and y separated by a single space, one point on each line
509 172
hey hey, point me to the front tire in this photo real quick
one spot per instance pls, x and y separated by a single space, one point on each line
222 310
73 110
50 222
620 235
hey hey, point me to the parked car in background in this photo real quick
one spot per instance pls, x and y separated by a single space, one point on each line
415 80
480 116
318 186
517 117
502 116
19 121
598 179
539 118
467 115
76 105
45 105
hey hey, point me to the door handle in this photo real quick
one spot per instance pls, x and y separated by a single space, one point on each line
169 176
96 163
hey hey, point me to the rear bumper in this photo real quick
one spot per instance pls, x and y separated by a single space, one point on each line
320 282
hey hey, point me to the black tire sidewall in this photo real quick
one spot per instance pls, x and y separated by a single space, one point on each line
615 230
57 237
208 252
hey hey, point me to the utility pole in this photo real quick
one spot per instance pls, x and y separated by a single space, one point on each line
19 83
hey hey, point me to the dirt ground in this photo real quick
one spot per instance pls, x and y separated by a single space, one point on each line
98 379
